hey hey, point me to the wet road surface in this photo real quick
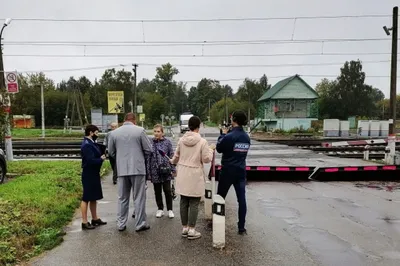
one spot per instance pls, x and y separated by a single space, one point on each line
309 223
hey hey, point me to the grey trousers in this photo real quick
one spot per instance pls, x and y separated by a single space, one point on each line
189 208
138 185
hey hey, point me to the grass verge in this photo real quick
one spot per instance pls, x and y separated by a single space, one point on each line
35 207
37 133
50 134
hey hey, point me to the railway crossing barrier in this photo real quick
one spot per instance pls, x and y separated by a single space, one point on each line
324 173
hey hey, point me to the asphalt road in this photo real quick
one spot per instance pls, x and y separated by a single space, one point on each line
310 223
288 224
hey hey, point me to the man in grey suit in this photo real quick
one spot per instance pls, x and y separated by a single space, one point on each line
130 145
113 126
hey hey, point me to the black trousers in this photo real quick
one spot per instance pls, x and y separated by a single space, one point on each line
158 188
113 164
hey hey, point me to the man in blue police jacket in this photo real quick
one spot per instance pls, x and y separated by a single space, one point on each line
234 144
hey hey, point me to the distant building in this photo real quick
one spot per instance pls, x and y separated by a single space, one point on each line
290 103
23 121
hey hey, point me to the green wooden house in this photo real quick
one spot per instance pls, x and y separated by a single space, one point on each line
290 103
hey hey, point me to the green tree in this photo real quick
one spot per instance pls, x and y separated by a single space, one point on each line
113 80
207 91
164 80
145 86
264 83
28 100
218 109
180 100
383 107
348 95
326 100
98 96
153 106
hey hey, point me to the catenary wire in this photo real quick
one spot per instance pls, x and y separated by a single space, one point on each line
189 43
199 65
201 19
193 55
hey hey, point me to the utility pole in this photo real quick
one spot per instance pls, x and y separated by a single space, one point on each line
209 110
248 109
134 87
226 109
6 100
42 100
393 74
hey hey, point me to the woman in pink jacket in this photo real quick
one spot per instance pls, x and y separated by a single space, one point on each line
190 155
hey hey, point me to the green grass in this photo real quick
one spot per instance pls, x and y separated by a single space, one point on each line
56 134
210 124
37 133
36 206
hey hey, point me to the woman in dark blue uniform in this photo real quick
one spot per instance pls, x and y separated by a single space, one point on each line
92 159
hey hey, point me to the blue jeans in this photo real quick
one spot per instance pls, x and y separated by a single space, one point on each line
239 183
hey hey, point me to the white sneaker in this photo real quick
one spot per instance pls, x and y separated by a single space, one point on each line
159 213
185 231
171 214
193 234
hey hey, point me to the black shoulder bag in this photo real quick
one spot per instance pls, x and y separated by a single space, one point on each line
163 169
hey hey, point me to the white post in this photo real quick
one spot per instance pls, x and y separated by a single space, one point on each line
387 151
42 99
8 140
366 153
208 201
392 149
218 222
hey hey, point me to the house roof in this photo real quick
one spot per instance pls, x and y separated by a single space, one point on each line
281 84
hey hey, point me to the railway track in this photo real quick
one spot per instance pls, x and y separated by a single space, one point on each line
71 150
348 148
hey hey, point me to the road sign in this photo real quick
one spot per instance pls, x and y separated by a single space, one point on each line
167 118
162 116
142 117
115 102
139 109
97 118
11 82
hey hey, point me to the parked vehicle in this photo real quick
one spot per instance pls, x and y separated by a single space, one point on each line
184 121
3 166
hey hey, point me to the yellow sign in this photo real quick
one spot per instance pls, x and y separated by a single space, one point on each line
142 117
115 102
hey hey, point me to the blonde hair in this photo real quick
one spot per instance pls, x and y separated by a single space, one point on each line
160 127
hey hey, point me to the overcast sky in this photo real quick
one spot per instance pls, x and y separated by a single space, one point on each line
375 65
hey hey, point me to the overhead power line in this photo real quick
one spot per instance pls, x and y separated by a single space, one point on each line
273 77
189 43
197 65
267 65
188 55
200 19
